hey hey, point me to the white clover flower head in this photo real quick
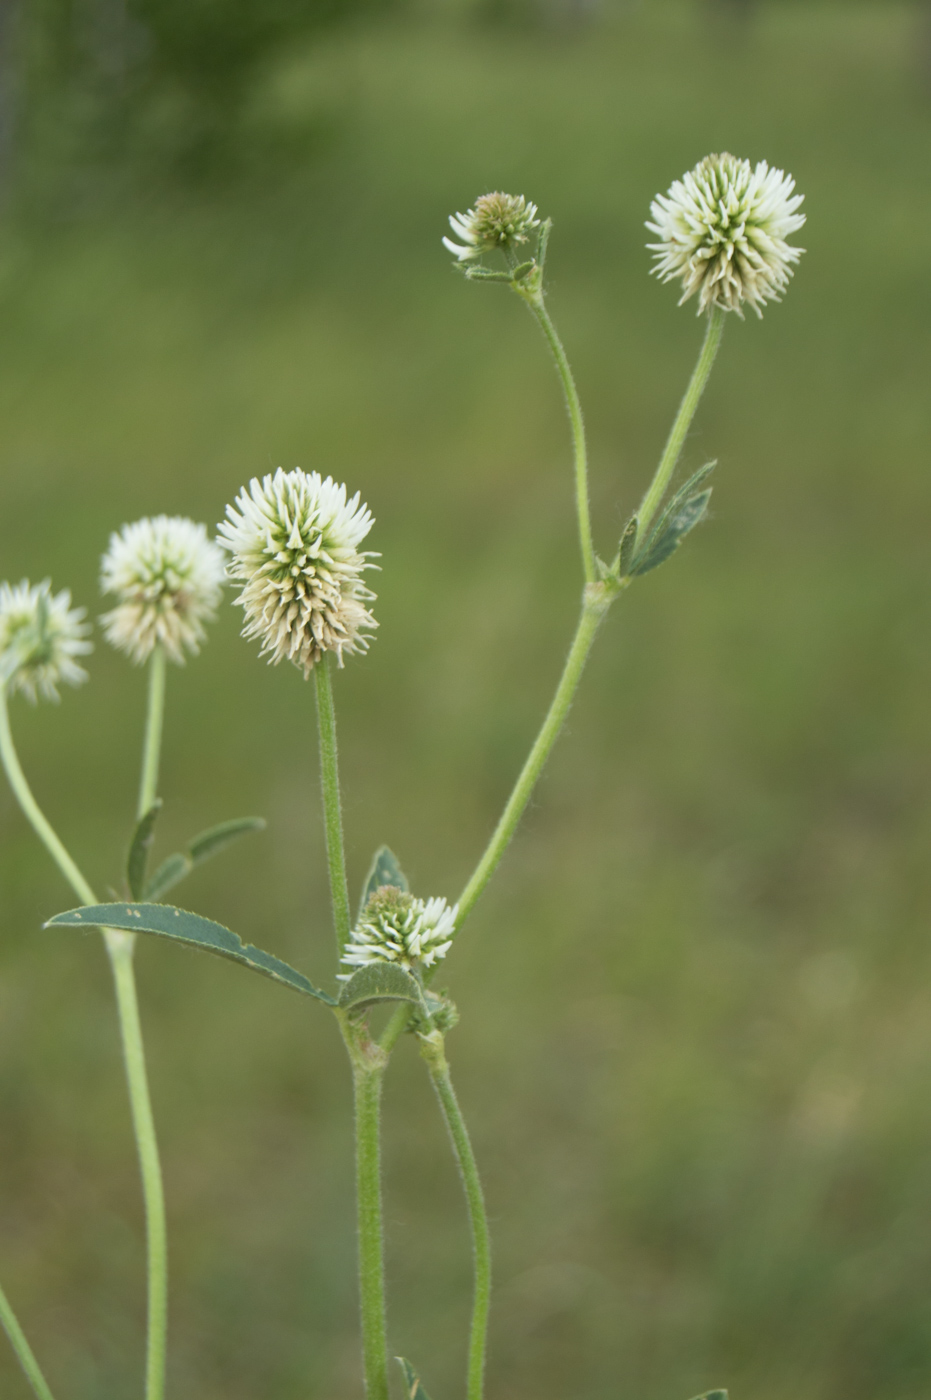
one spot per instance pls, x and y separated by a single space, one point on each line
40 635
168 579
294 540
723 230
397 928
497 221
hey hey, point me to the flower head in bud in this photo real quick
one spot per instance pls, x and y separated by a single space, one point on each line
40 635
295 545
397 928
168 579
497 221
723 230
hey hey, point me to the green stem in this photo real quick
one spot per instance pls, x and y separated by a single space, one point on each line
332 818
574 407
24 1353
368 1069
432 1050
152 744
683 421
119 947
595 604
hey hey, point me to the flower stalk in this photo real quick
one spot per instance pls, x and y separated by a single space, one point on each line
154 723
24 1353
332 813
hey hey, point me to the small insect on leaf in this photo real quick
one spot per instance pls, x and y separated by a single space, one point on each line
413 1389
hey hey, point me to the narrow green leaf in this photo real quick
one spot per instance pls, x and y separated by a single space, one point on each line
628 542
672 506
209 842
713 1395
379 982
675 531
384 870
412 1386
183 927
171 870
139 848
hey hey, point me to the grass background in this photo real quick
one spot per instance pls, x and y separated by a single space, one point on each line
695 1048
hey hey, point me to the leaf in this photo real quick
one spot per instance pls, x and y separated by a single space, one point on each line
414 1389
178 924
674 532
628 544
677 499
139 847
379 982
713 1395
384 870
176 867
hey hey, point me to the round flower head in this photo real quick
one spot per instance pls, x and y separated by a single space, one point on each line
40 635
497 221
168 578
397 928
295 545
723 230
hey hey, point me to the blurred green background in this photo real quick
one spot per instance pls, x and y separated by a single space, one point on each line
695 1047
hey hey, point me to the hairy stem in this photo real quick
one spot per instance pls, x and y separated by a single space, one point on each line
24 1352
683 421
432 1050
119 947
574 408
332 817
152 744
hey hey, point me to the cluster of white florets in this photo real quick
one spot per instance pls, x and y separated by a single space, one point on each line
498 221
395 927
294 540
723 230
168 579
40 636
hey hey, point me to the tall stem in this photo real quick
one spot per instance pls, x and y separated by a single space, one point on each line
119 947
432 1050
367 1081
332 816
683 421
154 721
574 407
24 1353
595 605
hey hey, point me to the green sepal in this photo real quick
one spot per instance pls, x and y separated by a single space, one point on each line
208 843
379 982
674 530
625 554
414 1390
384 870
184 927
139 848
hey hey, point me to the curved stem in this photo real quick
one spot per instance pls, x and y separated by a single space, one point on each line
595 604
119 947
432 1050
24 1353
152 744
683 421
574 407
332 817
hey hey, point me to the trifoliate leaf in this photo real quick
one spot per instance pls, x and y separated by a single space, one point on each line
379 982
412 1387
384 870
184 927
207 844
139 847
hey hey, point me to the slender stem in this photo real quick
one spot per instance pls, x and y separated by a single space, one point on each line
24 1353
119 947
152 744
332 817
431 1047
594 607
683 420
368 1069
121 960
574 407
